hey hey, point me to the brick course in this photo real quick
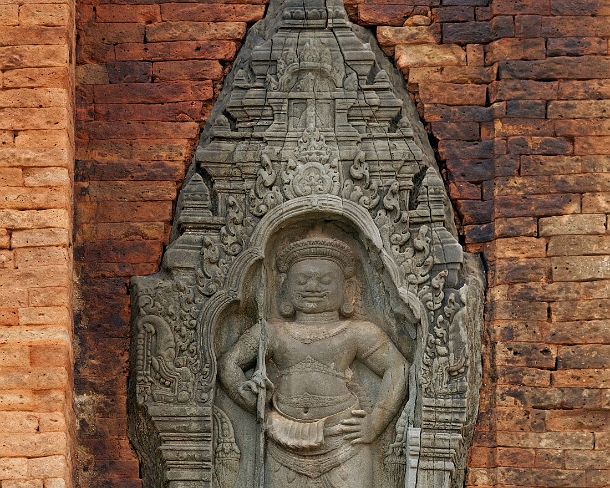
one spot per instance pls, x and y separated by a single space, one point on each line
515 96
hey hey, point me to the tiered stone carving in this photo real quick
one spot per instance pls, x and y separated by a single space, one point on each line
315 322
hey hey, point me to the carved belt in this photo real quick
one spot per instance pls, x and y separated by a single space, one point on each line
295 434
301 446
307 400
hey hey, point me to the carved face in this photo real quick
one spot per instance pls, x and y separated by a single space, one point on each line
315 285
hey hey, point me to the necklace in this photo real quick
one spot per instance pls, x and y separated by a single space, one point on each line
309 333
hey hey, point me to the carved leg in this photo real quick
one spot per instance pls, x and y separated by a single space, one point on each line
356 472
280 476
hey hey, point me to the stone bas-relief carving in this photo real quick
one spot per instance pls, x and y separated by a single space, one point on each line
315 322
318 429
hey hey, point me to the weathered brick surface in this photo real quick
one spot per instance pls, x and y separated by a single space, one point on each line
515 96
147 75
532 194
36 175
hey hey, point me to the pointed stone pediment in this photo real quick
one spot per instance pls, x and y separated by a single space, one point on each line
313 135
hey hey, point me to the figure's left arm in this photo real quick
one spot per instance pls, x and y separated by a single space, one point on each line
378 353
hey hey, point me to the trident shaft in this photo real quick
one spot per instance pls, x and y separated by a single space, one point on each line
261 371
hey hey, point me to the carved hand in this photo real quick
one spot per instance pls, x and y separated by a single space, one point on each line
249 390
359 428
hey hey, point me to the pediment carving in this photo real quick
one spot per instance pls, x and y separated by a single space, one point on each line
315 263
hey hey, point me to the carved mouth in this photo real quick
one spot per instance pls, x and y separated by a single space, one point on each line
313 297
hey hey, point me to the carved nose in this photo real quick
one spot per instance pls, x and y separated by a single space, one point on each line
312 285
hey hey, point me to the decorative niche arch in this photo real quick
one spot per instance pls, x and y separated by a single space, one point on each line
313 124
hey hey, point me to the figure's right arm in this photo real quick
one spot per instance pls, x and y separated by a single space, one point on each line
231 366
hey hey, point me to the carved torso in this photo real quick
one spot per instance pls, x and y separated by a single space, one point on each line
314 364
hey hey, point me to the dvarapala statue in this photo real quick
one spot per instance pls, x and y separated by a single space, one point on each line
318 431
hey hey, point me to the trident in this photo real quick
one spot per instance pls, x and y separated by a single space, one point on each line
261 372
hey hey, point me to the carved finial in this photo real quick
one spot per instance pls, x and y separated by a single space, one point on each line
222 122
351 81
435 196
382 77
196 196
404 123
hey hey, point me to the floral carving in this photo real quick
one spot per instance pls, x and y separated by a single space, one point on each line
313 169
446 354
431 295
265 195
232 235
167 351
410 249
217 255
359 187
211 275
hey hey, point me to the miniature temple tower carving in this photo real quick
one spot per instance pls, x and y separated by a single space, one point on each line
316 322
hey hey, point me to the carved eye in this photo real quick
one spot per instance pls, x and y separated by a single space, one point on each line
301 279
326 280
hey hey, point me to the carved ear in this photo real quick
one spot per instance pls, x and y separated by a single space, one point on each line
285 306
349 298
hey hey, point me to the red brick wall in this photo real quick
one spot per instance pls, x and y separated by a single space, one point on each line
36 155
515 94
147 78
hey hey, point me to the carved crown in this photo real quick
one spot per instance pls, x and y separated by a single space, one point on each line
331 249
